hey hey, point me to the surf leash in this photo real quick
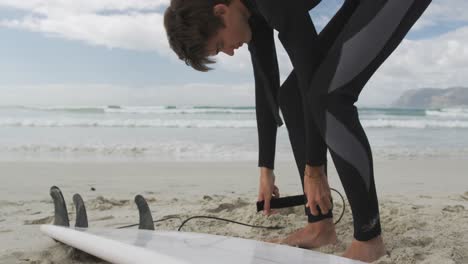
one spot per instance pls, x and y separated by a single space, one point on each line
275 203
146 219
296 200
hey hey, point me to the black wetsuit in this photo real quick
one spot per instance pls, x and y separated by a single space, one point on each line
317 99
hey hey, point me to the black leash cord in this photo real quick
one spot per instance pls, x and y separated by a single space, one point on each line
343 200
227 220
232 221
160 220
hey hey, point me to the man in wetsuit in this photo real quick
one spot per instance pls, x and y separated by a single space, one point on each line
316 100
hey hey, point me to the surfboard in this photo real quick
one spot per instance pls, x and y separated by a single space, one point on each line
172 247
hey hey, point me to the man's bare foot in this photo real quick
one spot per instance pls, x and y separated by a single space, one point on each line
313 235
367 251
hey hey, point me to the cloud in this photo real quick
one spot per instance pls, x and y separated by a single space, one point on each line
117 31
435 61
438 62
446 11
138 25
128 24
66 7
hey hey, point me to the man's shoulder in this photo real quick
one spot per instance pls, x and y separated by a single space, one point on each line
275 11
307 4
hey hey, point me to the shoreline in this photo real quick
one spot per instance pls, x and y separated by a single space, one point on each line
396 176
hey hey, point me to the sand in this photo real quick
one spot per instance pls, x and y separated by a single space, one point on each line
423 204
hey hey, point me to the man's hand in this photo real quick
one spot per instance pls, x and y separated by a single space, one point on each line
267 189
317 190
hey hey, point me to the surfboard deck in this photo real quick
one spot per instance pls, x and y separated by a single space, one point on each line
171 247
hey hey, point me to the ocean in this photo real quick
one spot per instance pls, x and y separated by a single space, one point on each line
206 133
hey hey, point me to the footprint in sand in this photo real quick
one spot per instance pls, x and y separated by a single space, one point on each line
425 196
109 217
102 204
40 221
416 242
4 203
424 241
228 206
454 209
207 198
464 196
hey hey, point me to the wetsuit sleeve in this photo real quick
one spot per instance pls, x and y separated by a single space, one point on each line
266 128
266 73
299 38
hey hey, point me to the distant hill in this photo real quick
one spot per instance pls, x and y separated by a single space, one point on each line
433 98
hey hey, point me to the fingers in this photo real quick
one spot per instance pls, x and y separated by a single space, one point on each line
323 206
266 205
267 189
276 192
324 203
329 203
318 195
313 208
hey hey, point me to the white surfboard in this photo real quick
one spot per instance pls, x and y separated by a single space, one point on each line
171 247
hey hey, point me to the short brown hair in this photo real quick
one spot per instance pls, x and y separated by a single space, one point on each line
189 25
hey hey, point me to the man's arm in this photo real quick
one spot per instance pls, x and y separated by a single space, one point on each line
266 73
299 37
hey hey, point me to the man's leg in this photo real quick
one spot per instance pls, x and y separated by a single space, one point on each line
291 98
320 229
293 115
371 35
291 104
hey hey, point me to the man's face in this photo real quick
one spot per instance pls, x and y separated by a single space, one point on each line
236 31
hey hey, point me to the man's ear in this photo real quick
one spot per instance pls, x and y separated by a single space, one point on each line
219 9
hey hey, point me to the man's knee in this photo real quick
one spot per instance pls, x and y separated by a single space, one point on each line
339 98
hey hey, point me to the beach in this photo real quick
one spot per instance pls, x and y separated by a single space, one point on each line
423 204
202 160
94 101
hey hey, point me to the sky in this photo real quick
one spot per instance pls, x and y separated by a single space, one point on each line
115 52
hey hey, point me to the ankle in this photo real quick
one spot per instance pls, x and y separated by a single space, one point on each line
367 251
325 224
373 241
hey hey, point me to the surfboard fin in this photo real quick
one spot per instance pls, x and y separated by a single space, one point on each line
146 219
81 215
60 208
